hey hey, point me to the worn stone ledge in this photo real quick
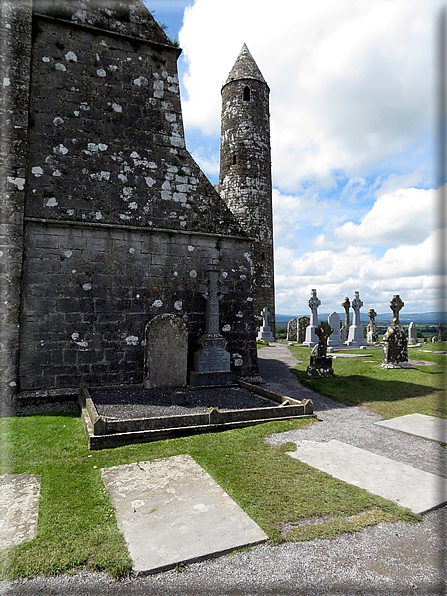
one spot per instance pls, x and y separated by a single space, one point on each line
130 38
169 231
47 396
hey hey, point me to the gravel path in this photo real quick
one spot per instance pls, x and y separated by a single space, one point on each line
388 559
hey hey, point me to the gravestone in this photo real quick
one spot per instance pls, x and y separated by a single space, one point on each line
292 330
265 333
345 329
372 336
165 352
303 322
311 337
212 361
321 364
335 339
412 334
395 348
355 335
440 332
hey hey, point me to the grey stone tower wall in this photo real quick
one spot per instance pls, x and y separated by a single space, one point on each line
15 55
108 219
246 185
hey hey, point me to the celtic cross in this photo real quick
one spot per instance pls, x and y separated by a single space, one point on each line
396 305
346 305
212 290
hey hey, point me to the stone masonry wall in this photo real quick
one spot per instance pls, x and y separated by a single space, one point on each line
107 143
245 180
15 53
120 222
90 291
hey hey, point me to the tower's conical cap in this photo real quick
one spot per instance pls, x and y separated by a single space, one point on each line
245 68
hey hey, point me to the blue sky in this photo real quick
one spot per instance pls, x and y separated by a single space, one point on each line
352 104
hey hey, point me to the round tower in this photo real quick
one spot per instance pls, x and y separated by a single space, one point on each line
245 182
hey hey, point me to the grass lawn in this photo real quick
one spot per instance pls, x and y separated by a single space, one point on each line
77 526
389 392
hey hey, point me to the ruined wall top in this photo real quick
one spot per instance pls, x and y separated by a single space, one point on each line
129 17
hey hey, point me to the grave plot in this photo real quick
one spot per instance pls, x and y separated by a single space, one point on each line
405 485
419 425
19 508
122 417
171 511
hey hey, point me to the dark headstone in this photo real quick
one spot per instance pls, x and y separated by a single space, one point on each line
320 364
395 348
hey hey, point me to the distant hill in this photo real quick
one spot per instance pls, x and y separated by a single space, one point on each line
421 318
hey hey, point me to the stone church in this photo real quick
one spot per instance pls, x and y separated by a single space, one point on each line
106 221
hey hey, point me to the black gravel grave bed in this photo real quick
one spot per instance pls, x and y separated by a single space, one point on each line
127 404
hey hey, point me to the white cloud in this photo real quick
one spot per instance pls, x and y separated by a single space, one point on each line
208 162
409 271
350 81
404 216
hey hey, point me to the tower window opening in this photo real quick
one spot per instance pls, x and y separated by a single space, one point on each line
263 256
246 93
234 159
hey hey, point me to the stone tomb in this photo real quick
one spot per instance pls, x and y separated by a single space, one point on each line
292 330
265 333
212 361
395 348
302 324
166 351
320 363
334 322
313 303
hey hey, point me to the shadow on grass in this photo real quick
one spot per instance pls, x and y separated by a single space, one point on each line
352 390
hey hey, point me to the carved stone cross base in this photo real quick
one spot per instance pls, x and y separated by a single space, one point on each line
212 363
320 366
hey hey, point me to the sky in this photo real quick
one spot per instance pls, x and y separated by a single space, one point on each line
353 107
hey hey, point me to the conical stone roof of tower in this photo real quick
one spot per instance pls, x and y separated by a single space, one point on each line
245 68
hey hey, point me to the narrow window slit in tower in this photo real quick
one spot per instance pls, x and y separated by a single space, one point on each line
263 256
246 93
234 159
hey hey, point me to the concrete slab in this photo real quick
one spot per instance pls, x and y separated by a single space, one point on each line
419 425
407 486
19 508
171 511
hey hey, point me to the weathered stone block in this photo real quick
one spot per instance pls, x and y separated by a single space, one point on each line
166 352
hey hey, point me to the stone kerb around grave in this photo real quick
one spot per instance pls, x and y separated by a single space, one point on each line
165 352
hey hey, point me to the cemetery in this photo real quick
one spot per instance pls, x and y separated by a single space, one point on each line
153 413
